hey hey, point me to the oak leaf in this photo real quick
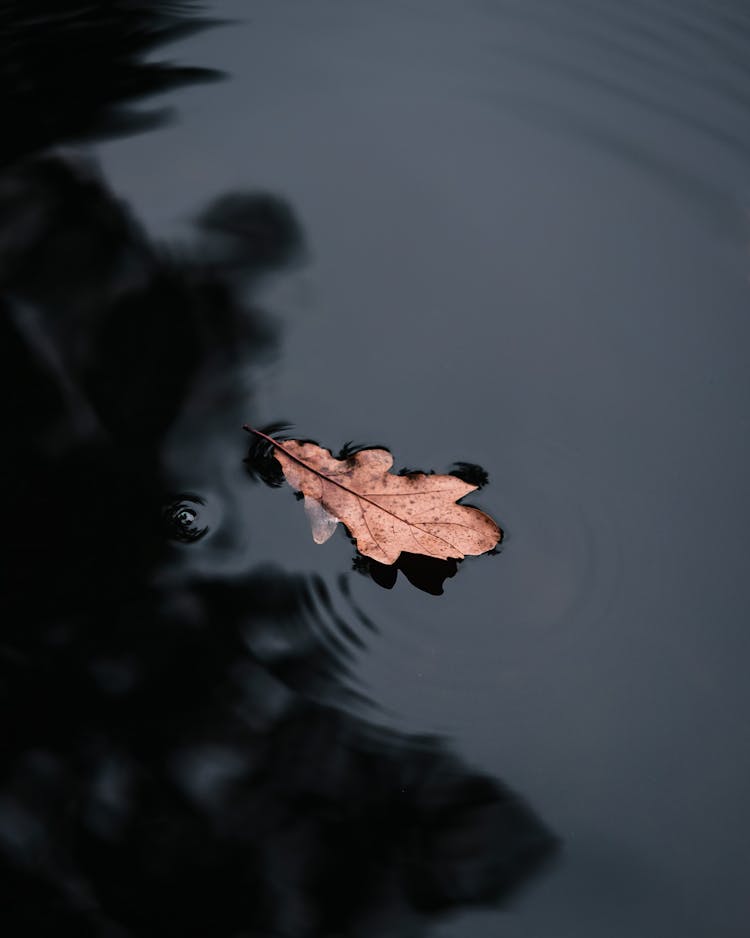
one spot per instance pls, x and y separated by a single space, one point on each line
385 513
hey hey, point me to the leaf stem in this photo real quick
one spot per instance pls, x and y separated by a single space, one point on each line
301 462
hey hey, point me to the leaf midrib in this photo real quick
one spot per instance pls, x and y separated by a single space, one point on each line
345 488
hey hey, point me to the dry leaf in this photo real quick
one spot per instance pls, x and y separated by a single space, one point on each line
385 513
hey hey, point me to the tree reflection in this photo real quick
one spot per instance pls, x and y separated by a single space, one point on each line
179 759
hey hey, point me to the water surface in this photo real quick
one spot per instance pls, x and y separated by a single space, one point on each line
526 246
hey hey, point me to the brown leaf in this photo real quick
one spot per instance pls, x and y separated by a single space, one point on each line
385 513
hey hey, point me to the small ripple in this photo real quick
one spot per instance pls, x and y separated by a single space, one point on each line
184 518
549 593
629 78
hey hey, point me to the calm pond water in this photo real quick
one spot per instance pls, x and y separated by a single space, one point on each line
526 235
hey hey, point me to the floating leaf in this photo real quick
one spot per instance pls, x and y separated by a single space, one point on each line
385 513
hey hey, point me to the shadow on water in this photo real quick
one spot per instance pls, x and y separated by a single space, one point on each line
178 758
73 71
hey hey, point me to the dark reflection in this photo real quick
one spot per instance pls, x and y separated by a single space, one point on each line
249 233
72 71
470 472
426 573
182 758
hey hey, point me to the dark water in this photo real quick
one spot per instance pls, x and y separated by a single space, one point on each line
511 233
